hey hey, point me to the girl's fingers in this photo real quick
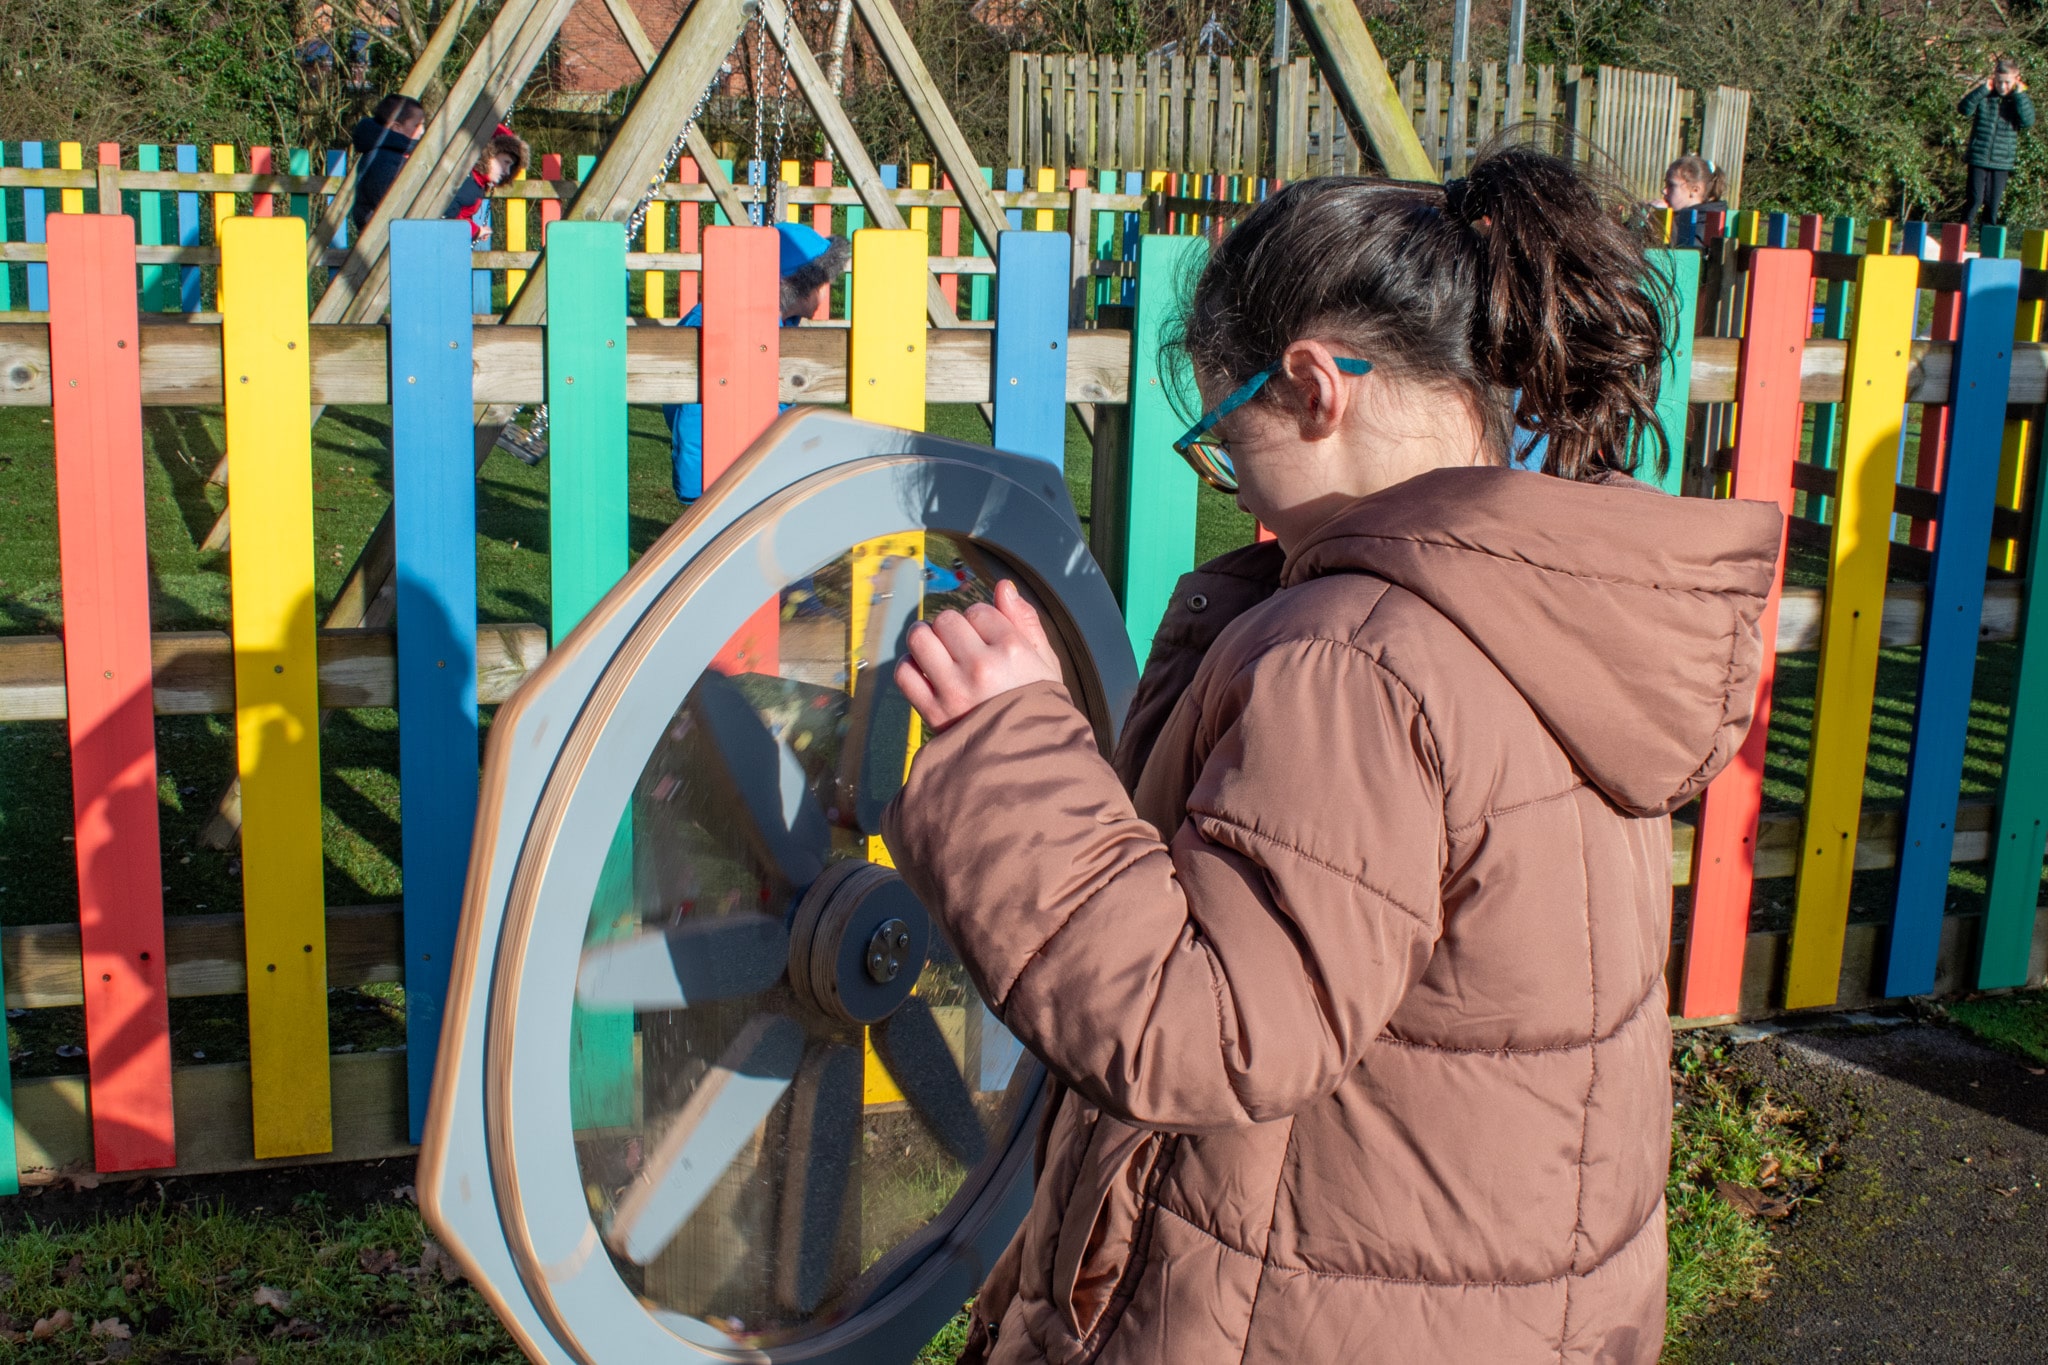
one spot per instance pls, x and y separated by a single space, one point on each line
928 651
1025 618
961 639
910 681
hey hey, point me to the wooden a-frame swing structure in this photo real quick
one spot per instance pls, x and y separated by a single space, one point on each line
678 73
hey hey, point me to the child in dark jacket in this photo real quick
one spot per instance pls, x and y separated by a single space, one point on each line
383 140
504 156
1999 110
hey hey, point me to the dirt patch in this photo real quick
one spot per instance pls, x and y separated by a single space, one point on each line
340 1189
1928 1240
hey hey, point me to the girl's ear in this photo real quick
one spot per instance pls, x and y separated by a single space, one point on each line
1321 397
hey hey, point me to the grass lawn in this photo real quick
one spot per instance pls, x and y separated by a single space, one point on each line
2017 1023
219 1270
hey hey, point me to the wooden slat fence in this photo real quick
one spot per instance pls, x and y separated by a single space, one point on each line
1210 114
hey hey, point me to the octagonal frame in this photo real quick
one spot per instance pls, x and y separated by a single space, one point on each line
814 485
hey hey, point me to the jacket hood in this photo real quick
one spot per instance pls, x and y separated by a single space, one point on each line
1626 618
369 135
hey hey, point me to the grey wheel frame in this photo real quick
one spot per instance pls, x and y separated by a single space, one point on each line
498 1169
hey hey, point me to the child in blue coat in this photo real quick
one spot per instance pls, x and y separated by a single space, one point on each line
810 262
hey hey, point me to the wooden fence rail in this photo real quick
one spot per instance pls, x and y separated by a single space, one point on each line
95 359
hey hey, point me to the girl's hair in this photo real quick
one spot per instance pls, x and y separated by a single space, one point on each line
1521 287
513 149
1700 173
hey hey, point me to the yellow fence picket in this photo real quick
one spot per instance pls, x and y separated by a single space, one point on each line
885 383
1874 393
265 356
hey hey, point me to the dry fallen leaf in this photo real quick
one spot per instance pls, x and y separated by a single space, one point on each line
433 1258
1751 1202
406 1193
59 1321
277 1299
112 1327
244 1360
72 1269
1767 1174
377 1261
298 1329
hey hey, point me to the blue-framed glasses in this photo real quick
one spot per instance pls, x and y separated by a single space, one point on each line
1207 456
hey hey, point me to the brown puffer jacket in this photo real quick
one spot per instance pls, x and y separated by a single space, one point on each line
1359 990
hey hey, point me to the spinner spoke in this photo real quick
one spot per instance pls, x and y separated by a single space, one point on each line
914 1050
759 783
878 724
717 957
722 1114
824 1132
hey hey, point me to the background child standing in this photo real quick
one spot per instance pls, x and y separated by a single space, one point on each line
1999 110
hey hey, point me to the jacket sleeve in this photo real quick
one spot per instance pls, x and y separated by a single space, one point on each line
467 196
2022 109
1969 102
1235 974
1204 602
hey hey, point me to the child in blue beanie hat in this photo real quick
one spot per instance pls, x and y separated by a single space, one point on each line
809 263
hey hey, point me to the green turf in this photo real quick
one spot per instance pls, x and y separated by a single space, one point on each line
193 1284
2017 1023
1725 1130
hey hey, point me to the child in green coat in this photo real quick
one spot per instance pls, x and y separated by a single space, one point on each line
1999 111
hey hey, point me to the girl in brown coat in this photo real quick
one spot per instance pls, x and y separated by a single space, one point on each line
1351 966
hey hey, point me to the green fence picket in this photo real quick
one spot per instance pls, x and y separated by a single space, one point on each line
1160 490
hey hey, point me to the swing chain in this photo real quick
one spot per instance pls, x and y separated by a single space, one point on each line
668 162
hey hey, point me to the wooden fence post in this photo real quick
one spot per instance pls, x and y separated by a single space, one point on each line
149 208
2021 834
34 228
1159 523
191 285
6 305
1874 388
1681 273
96 391
1834 326
1980 374
1766 445
265 357
433 505
587 529
1030 368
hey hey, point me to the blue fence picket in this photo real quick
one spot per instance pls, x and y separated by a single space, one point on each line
434 522
337 167
1134 183
1031 345
6 270
190 297
1979 377
34 213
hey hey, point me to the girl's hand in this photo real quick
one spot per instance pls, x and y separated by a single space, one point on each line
960 660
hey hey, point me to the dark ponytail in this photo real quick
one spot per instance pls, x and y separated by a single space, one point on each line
1523 277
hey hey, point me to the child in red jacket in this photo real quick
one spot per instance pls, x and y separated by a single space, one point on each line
504 156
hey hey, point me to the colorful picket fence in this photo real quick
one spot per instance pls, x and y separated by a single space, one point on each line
180 211
124 960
